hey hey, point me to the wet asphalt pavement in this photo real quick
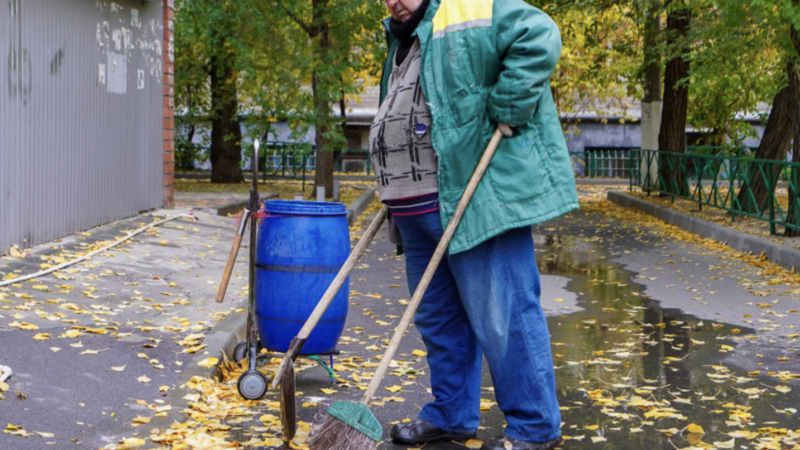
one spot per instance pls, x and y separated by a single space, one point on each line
144 296
650 334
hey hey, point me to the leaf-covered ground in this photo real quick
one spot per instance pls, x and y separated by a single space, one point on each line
286 189
750 225
661 339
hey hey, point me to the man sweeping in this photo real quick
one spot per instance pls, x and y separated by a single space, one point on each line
457 70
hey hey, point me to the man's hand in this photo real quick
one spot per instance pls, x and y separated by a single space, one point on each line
505 128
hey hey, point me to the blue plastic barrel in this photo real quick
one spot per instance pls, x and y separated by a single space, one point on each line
300 248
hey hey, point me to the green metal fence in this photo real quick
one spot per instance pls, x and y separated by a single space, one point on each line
285 159
730 183
295 160
353 160
607 163
614 162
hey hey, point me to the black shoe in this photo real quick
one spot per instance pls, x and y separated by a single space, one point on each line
418 431
516 444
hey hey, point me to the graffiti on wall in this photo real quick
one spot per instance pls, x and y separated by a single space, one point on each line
19 69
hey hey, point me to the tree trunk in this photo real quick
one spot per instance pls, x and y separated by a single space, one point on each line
794 83
672 135
774 145
651 101
226 134
323 175
187 162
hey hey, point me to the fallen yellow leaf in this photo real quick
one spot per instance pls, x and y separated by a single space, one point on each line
208 362
73 333
695 429
474 444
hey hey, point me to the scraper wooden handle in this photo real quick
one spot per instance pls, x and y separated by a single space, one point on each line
441 249
237 242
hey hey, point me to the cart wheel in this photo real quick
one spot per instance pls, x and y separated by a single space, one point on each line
252 385
239 352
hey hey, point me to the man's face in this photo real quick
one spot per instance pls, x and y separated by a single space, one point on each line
401 9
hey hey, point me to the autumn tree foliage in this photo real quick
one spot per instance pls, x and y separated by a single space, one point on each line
343 47
272 60
298 61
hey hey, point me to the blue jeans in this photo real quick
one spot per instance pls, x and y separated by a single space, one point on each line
486 298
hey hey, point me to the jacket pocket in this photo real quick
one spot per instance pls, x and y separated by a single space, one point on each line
520 168
461 85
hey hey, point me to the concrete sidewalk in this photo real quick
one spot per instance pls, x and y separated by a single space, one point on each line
98 344
781 252
217 203
107 343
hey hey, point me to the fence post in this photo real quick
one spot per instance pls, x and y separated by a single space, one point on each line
283 161
630 171
304 174
771 199
732 167
336 190
700 188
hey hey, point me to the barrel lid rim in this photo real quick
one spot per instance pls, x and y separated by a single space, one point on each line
305 208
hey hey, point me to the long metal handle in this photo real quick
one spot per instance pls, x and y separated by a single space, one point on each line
432 266
251 348
327 298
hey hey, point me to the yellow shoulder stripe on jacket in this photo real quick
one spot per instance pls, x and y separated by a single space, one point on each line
456 15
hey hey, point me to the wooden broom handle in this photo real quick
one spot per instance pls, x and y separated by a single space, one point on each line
333 289
432 266
237 242
226 277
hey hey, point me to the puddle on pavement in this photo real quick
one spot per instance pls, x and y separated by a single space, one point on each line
628 367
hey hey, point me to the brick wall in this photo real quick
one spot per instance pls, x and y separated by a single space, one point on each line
169 106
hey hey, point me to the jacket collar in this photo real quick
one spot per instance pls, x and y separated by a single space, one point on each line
425 24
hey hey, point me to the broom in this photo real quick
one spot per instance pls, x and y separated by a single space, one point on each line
352 426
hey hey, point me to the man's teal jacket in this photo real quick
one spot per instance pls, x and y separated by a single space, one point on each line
486 62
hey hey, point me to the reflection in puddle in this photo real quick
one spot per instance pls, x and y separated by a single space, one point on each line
632 375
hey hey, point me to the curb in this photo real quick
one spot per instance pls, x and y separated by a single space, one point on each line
602 181
359 205
248 176
777 253
219 344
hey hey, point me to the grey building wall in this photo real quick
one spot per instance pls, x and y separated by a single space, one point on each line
81 120
606 135
614 134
